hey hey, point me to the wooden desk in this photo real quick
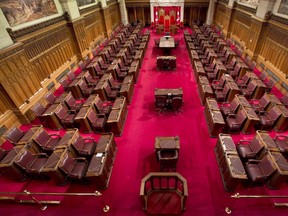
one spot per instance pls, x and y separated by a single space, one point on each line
82 120
127 88
75 89
281 175
100 89
251 120
282 122
205 91
215 122
234 89
91 68
68 138
117 116
232 172
51 167
167 143
167 43
166 62
50 118
30 134
139 56
267 141
112 70
224 146
260 88
134 70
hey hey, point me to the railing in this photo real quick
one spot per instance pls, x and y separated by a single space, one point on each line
164 182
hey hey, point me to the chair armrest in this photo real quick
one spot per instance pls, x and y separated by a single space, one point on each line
55 135
231 115
88 139
280 136
252 161
80 159
244 142
42 155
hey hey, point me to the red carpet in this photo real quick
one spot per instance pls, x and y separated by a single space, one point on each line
136 157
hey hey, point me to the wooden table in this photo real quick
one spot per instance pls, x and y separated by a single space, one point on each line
167 43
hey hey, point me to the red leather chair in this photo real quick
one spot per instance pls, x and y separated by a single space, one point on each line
250 149
14 135
111 94
261 104
65 116
38 109
100 72
3 153
248 91
73 167
120 74
103 108
168 160
71 75
85 89
235 122
258 171
284 100
72 104
90 81
31 163
282 143
235 72
50 98
270 84
229 108
64 83
263 76
97 121
84 147
267 119
47 142
221 94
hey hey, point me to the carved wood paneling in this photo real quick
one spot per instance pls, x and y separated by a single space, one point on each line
112 17
222 16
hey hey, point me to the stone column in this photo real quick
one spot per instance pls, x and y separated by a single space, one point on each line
123 12
264 9
103 3
5 37
210 13
71 7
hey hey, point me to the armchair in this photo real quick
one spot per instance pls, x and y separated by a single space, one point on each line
64 83
97 122
90 81
270 84
31 163
284 100
250 149
3 153
65 116
102 108
73 168
230 108
100 72
50 98
72 104
14 135
47 142
221 94
168 159
268 119
235 121
120 74
258 171
282 143
111 94
84 147
248 91
85 89
261 104
235 72
38 109
218 84
71 76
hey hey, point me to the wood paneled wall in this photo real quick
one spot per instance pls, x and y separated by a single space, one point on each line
44 53
139 12
265 41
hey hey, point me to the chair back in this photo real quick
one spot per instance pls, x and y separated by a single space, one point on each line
67 164
70 101
263 75
42 138
270 83
50 98
256 145
267 166
274 113
176 103
234 105
25 159
284 100
71 75
78 143
14 135
38 109
241 117
61 112
64 83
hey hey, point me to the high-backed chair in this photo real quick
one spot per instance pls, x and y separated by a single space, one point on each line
38 109
47 142
229 108
176 103
270 84
243 81
71 75
85 89
74 167
3 153
235 72
221 94
282 143
111 94
267 119
14 135
235 122
50 98
284 100
90 81
258 171
31 163
218 84
250 149
65 116
120 74
84 147
261 104
72 104
168 159
103 108
263 76
100 72
249 90
97 122
64 83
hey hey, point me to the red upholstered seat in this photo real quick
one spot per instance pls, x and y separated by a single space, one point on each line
74 168
235 121
31 163
47 142
72 104
50 98
221 94
65 116
248 91
97 122
249 149
84 147
260 170
14 135
229 108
